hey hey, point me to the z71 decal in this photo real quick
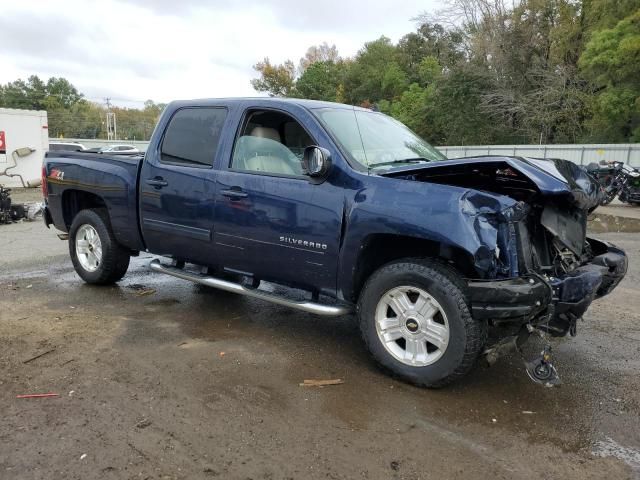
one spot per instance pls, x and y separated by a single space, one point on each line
56 174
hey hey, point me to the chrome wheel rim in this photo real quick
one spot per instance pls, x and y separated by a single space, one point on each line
88 248
412 326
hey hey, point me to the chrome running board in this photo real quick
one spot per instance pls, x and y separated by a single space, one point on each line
310 307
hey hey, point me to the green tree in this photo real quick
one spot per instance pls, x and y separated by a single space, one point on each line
411 109
276 80
604 14
611 61
318 53
61 93
30 94
375 74
411 49
321 81
484 71
428 70
456 117
71 115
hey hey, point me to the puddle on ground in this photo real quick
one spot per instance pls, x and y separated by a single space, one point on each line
608 447
500 397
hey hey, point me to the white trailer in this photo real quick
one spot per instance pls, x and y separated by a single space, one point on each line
24 139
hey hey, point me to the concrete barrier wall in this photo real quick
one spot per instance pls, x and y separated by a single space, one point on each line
581 154
98 142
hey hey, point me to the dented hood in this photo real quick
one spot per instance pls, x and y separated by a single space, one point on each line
551 177
582 188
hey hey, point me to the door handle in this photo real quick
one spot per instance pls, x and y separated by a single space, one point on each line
234 193
157 182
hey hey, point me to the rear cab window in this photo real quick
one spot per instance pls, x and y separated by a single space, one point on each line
192 136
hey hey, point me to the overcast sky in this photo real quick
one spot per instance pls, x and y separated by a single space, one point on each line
164 49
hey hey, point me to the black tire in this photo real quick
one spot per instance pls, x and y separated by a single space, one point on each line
467 336
115 258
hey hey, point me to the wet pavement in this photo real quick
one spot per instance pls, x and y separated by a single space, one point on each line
159 378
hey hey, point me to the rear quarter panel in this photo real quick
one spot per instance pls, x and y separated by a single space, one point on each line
114 179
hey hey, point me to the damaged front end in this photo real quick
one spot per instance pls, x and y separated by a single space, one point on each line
545 303
537 271
555 286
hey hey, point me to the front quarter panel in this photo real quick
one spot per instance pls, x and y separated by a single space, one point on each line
465 219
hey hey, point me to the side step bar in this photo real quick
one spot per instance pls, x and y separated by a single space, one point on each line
310 307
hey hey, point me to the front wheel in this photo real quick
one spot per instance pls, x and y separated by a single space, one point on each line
415 319
96 255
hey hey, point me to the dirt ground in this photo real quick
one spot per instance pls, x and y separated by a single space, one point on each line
158 378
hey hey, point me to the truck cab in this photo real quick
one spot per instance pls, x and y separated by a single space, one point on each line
245 204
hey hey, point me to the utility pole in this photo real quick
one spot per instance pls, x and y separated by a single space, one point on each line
112 129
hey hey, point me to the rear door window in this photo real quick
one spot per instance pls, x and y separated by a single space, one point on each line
192 136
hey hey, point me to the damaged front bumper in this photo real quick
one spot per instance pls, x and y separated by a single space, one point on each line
550 303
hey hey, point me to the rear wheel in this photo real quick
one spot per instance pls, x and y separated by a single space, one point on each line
415 320
96 255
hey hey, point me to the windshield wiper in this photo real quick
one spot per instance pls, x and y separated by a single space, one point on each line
404 160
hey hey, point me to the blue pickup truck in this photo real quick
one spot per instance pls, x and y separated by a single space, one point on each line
443 261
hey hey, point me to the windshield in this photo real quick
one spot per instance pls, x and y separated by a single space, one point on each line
375 140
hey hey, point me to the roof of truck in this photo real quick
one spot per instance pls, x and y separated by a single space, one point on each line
310 104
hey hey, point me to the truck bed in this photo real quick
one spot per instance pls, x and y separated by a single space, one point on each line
111 178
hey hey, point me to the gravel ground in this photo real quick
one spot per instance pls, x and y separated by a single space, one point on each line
158 378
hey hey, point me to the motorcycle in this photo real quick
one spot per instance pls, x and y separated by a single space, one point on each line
617 179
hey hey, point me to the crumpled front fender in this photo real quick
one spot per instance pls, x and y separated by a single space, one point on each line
472 224
493 223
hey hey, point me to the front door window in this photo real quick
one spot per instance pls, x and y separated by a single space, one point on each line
270 143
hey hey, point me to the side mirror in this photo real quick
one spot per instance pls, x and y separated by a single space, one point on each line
316 162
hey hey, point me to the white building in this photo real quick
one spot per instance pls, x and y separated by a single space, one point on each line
24 139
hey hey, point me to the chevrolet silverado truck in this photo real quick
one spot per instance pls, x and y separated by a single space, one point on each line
346 210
